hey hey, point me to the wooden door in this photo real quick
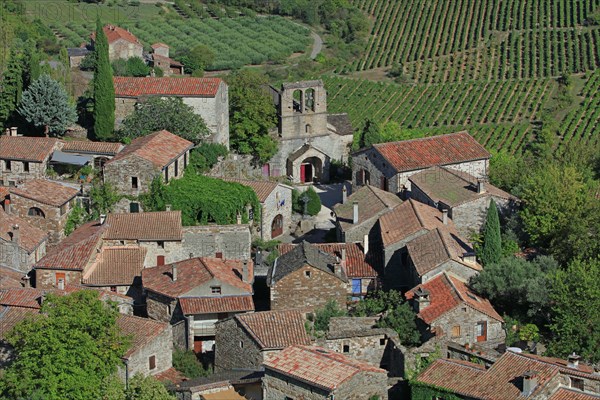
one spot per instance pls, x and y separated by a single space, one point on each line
197 346
303 173
277 226
160 260
481 331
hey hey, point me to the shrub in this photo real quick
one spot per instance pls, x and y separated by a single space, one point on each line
324 315
185 361
313 205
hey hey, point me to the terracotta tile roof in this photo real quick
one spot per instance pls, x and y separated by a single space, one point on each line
116 266
409 218
34 149
114 33
459 377
160 148
371 202
262 188
21 297
4 191
75 251
210 305
159 44
30 237
166 86
149 226
317 366
572 394
84 146
446 293
275 329
453 188
583 370
10 278
410 155
357 265
171 62
141 330
11 316
194 272
434 248
170 376
45 192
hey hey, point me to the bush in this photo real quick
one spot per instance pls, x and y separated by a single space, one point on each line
324 315
206 155
314 202
187 363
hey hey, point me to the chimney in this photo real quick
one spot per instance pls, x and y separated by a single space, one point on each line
238 218
16 237
445 216
480 186
530 381
366 244
344 254
245 272
13 131
102 219
421 299
7 131
573 361
337 268
61 284
344 194
174 272
167 207
355 216
7 207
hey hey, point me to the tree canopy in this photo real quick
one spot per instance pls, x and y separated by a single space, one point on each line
491 250
133 66
171 114
196 60
104 90
45 104
67 351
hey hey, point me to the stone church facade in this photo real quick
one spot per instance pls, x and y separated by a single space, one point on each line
309 138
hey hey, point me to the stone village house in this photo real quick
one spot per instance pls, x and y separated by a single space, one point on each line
306 278
192 295
21 243
311 373
514 376
309 138
132 170
159 58
447 307
122 44
389 165
465 197
276 207
245 341
23 158
209 97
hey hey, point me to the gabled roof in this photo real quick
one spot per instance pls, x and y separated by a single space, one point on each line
262 188
371 202
11 316
146 226
357 264
448 292
76 250
572 394
275 329
410 155
158 45
317 366
30 237
583 370
24 148
502 381
10 278
141 330
452 187
341 123
194 272
430 250
116 266
166 86
114 33
305 253
302 150
22 297
87 147
210 305
409 218
172 63
45 192
160 148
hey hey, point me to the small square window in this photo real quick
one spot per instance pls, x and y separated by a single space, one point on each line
7 165
241 344
134 182
346 348
456 331
577 383
382 342
25 166
307 274
161 244
152 362
113 289
215 289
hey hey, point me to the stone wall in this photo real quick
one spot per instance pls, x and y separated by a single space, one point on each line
470 217
123 49
119 174
18 171
234 348
363 386
162 308
273 206
161 347
467 318
452 266
215 113
397 274
356 233
54 221
277 386
340 324
123 107
364 346
297 290
17 258
233 241
46 278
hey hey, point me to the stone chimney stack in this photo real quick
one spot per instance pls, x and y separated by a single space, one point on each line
355 215
16 236
7 207
480 186
343 255
238 218
421 299
174 272
337 268
573 361
13 131
102 219
167 207
530 381
366 244
445 217
344 194
245 272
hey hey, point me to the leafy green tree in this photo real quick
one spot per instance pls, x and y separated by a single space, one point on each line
133 66
402 319
377 302
104 91
204 156
491 250
67 352
76 218
45 104
147 388
506 170
371 134
170 114
196 60
251 115
313 205
88 63
575 325
12 86
103 197
186 362
323 315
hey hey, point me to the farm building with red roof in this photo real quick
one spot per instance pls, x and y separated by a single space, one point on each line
208 97
122 44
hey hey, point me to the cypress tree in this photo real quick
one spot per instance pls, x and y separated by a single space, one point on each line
33 69
104 91
491 251
12 86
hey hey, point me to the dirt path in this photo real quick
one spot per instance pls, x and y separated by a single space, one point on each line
317 45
